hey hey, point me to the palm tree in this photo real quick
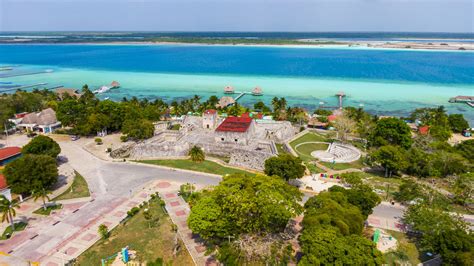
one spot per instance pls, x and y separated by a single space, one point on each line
8 210
197 154
276 104
43 194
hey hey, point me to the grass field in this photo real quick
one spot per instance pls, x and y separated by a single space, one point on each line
406 251
206 166
18 227
280 149
308 137
343 166
48 210
305 150
78 189
150 243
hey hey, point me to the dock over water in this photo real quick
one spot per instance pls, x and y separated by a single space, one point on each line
469 100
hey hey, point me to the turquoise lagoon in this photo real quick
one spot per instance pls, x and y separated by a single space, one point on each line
386 82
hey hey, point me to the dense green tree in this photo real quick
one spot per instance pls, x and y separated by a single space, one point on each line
448 163
457 123
466 149
285 166
196 154
323 112
138 129
443 233
42 145
408 191
332 209
392 158
391 131
31 173
463 188
327 247
244 204
360 195
418 162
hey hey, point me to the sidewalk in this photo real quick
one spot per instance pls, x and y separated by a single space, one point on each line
28 206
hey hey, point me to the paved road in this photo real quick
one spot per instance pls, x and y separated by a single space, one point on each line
111 183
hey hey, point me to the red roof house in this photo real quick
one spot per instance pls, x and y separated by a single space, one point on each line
332 118
3 182
235 124
210 112
424 130
9 153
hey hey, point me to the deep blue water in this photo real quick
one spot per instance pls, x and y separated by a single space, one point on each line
436 67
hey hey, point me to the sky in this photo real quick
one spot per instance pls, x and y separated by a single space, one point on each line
238 15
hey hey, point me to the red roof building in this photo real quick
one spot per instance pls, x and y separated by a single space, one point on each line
9 153
235 124
424 130
3 182
332 118
210 112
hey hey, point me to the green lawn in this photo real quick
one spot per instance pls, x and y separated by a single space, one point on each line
308 137
280 149
18 227
343 166
78 189
150 243
206 166
406 251
48 210
314 169
305 150
222 158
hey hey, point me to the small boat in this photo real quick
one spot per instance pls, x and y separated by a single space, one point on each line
114 85
102 90
49 71
106 98
228 89
257 91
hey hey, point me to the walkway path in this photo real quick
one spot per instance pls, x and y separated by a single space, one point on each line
114 187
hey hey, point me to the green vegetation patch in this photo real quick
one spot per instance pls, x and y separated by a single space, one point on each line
48 209
205 166
406 251
343 166
78 189
308 137
151 240
8 231
304 150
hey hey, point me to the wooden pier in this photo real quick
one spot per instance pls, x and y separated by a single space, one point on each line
469 100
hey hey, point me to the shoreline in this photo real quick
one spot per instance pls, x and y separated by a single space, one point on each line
366 45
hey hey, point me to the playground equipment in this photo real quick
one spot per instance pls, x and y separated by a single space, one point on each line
124 253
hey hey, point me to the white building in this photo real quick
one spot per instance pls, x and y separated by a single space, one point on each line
209 119
44 121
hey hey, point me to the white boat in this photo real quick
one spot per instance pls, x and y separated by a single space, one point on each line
102 90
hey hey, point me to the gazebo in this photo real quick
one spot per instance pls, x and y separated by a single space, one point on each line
228 89
114 84
257 91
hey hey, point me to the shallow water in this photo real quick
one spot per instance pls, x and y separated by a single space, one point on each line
383 81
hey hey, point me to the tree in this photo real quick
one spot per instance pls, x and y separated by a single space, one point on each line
138 129
197 154
443 233
331 209
103 231
408 191
457 123
327 247
344 126
463 188
285 166
391 131
8 211
41 194
392 158
360 195
466 149
448 163
243 204
42 145
30 173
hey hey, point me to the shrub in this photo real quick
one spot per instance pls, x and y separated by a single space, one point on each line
98 141
133 211
124 138
103 231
